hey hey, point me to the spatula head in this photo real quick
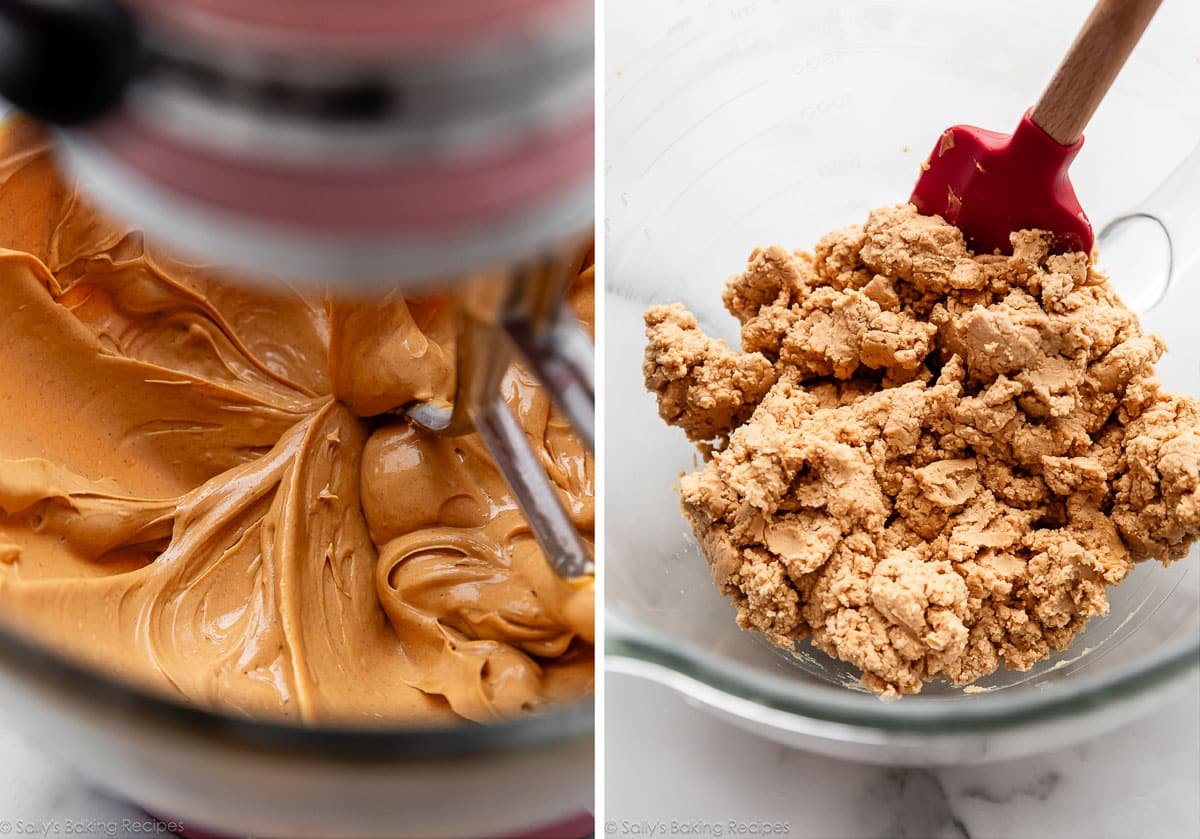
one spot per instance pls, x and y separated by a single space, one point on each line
990 184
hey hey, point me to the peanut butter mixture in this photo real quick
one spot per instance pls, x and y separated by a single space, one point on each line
204 488
931 463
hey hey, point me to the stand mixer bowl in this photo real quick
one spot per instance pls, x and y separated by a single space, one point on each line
233 776
335 199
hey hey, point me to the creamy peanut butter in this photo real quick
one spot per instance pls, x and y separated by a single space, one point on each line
202 488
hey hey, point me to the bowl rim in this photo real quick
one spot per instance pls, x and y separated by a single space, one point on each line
630 638
31 662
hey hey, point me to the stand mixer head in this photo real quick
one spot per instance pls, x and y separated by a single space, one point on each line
363 146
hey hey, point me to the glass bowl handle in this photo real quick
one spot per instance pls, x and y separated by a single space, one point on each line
1166 225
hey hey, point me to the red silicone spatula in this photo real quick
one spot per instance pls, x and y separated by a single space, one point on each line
990 184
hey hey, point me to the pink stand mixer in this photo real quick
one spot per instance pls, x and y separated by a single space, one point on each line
365 146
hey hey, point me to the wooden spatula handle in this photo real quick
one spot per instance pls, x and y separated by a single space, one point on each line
1090 65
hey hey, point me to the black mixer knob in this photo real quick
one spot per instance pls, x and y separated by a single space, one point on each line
66 61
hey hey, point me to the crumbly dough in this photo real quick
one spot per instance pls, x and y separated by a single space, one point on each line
930 462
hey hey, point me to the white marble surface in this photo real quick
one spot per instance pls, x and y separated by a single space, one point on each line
668 761
40 798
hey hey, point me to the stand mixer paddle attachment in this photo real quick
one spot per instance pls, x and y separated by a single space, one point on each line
496 320
363 147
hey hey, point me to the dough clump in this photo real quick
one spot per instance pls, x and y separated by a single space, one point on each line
932 463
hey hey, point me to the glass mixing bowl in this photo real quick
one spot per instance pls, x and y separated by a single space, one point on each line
729 128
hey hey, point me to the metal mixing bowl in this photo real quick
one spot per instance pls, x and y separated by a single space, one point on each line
237 776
